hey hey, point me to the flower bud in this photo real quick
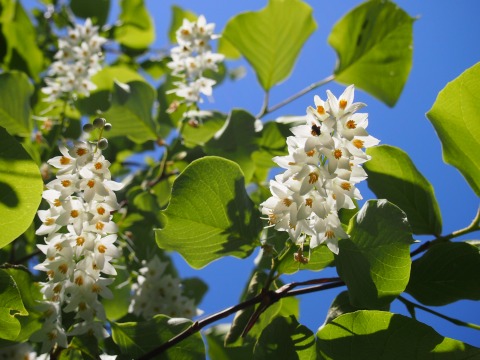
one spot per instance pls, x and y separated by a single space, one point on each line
107 127
102 144
99 122
88 127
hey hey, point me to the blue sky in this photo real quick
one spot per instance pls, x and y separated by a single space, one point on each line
446 43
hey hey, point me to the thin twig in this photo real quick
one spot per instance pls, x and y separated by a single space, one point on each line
264 108
448 318
273 297
298 94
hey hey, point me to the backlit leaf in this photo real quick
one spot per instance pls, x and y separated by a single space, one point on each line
136 29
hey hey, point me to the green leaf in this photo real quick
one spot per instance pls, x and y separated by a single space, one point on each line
15 92
130 113
447 272
319 258
285 338
120 288
370 335
194 288
457 107
210 214
21 189
136 29
178 14
271 39
236 141
226 48
374 47
375 261
136 339
204 131
22 51
94 9
393 176
156 68
215 336
10 305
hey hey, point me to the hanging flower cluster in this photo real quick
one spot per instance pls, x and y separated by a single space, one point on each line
322 170
22 351
77 60
192 57
79 239
159 293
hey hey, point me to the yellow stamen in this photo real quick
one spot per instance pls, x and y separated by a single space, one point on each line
337 153
57 202
287 201
310 153
98 165
351 124
91 183
358 143
63 268
101 210
80 241
79 280
66 183
49 221
64 160
342 104
74 213
329 234
309 202
321 110
99 225
346 186
81 151
102 249
313 178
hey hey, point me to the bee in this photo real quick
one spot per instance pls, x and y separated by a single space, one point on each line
315 130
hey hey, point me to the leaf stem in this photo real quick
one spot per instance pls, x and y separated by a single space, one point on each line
474 226
264 108
273 297
297 95
445 317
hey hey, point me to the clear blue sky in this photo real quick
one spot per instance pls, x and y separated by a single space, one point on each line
446 42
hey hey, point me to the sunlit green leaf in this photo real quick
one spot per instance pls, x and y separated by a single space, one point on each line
22 51
318 259
21 189
10 305
178 14
366 335
201 131
226 48
236 141
271 39
131 111
374 47
217 350
393 176
375 261
456 118
136 29
210 214
94 9
446 273
136 339
15 92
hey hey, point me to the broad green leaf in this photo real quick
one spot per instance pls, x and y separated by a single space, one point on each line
217 350
15 92
341 305
393 176
458 107
21 189
285 338
94 9
22 51
10 305
136 339
198 135
178 14
210 214
284 307
120 288
136 29
374 47
375 261
447 272
370 335
271 39
226 48
194 288
130 113
156 68
318 259
236 141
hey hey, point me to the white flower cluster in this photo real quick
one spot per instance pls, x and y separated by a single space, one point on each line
158 293
77 60
18 351
192 57
322 170
79 243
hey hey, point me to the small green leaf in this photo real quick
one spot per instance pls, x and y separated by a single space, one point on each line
217 350
15 92
130 113
375 261
210 214
455 115
10 305
207 127
178 14
236 141
366 335
374 46
136 339
271 39
447 272
94 9
393 176
22 51
21 189
136 29
285 338
194 288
